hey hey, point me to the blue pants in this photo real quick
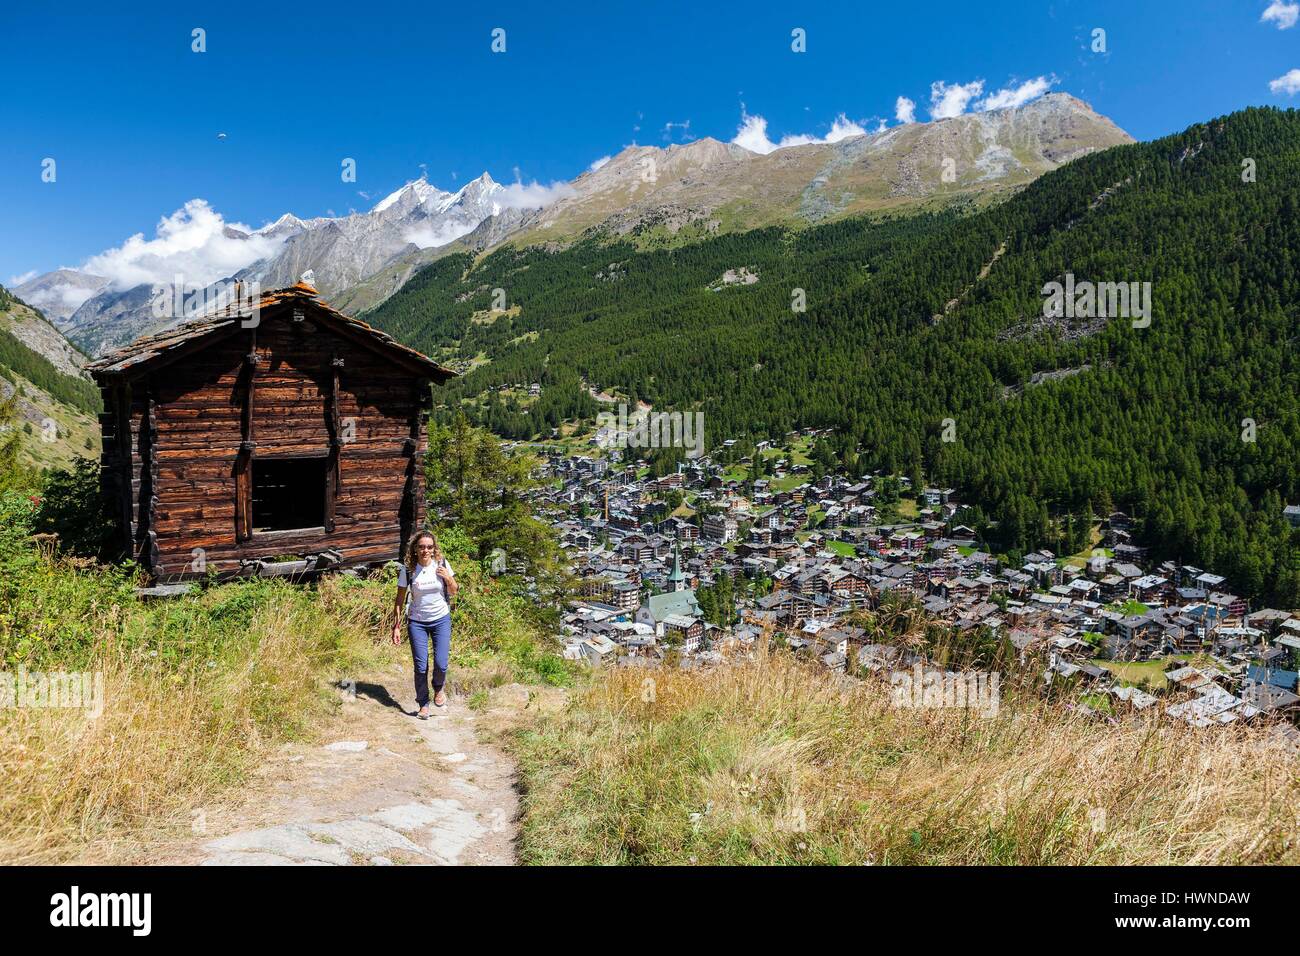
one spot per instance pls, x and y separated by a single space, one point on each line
421 632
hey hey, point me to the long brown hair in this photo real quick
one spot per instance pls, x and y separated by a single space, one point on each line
412 553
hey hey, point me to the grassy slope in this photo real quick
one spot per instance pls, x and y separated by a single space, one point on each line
76 434
775 763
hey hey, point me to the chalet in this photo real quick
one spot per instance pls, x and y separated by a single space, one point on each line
1148 588
271 427
685 630
625 595
1135 698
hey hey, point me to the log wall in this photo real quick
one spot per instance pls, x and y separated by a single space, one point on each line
194 428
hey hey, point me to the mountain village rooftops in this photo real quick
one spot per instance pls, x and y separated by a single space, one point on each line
1139 699
1059 614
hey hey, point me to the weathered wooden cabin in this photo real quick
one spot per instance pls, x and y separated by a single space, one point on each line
272 436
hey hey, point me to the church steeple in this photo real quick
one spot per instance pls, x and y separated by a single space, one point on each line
676 579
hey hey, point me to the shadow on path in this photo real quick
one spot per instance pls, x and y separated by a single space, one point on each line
379 694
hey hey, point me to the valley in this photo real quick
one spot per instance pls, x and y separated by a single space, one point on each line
908 315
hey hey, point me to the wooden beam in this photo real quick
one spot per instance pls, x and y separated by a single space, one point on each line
247 443
333 481
411 497
163 359
122 408
149 479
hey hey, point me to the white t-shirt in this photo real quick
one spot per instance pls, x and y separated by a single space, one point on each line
428 597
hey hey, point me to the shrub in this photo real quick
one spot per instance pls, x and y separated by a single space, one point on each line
73 507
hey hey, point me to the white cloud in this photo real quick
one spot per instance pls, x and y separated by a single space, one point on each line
599 163
1288 83
752 134
517 195
1017 95
194 242
948 101
843 128
426 235
685 127
1283 14
61 298
67 298
521 195
905 110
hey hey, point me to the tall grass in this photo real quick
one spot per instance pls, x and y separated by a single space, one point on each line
775 762
194 692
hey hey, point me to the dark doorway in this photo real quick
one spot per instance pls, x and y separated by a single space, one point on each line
288 493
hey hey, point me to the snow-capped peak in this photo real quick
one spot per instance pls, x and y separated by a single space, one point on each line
476 190
285 222
418 188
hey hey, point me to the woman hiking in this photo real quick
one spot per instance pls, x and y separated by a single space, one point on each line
432 583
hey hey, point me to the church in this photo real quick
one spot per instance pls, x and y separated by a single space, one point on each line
675 609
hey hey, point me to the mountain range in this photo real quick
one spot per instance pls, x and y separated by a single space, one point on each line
925 344
654 195
922 253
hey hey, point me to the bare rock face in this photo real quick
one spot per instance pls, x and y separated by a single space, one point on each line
721 183
27 325
340 252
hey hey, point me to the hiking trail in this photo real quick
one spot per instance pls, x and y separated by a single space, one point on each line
384 788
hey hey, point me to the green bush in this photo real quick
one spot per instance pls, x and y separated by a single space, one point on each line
73 507
50 611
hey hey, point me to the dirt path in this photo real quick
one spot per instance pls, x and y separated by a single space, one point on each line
384 789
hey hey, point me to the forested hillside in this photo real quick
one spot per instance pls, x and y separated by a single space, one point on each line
54 404
18 358
1192 423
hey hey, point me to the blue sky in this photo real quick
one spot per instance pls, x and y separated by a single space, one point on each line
132 116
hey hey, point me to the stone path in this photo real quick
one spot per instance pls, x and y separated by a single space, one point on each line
387 789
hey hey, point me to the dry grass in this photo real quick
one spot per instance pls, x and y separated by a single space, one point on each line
175 730
773 762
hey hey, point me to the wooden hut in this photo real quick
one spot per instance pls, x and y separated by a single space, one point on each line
275 435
